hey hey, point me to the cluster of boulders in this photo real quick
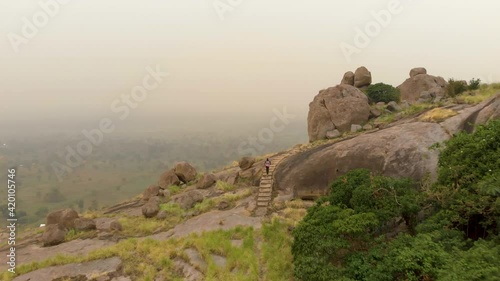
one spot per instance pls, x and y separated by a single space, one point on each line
345 107
361 78
61 221
182 172
422 87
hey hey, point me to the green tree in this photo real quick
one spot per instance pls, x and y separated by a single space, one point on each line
381 92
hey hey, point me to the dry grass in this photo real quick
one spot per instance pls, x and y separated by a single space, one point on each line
437 115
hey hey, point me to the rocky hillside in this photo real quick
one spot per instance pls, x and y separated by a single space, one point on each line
235 223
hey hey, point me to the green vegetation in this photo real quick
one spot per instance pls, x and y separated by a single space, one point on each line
224 186
381 92
455 88
474 97
368 228
474 84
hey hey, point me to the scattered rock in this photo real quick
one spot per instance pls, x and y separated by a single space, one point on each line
333 134
85 224
223 205
187 200
336 108
417 71
162 215
393 107
348 78
362 77
164 193
188 271
152 190
195 259
206 181
355 128
108 224
65 218
54 234
152 208
220 261
237 243
185 171
115 225
167 179
246 162
380 104
374 113
367 127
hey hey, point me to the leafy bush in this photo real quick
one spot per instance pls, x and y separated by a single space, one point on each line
346 236
469 169
359 208
381 92
474 84
455 88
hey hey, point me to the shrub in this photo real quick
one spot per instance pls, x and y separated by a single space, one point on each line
381 92
455 88
474 84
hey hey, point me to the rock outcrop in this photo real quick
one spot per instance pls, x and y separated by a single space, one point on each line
362 77
399 151
151 209
336 108
85 224
185 172
422 84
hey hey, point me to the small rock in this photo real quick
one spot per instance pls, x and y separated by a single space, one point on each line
206 181
115 225
167 179
185 171
367 127
380 104
152 190
65 218
223 205
85 224
188 199
333 134
355 128
220 261
54 234
246 163
151 208
164 193
393 107
374 113
162 215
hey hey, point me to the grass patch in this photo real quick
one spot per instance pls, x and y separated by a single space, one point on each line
204 206
276 251
140 226
74 234
478 96
437 115
174 189
224 186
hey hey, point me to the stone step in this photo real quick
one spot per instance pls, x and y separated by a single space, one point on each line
262 204
264 199
265 194
266 185
262 189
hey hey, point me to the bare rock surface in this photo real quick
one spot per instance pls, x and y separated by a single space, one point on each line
34 252
65 218
106 270
185 171
413 87
168 178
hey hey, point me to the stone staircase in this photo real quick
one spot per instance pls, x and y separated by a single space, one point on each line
267 181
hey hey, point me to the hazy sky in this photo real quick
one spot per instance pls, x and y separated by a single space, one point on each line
264 54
